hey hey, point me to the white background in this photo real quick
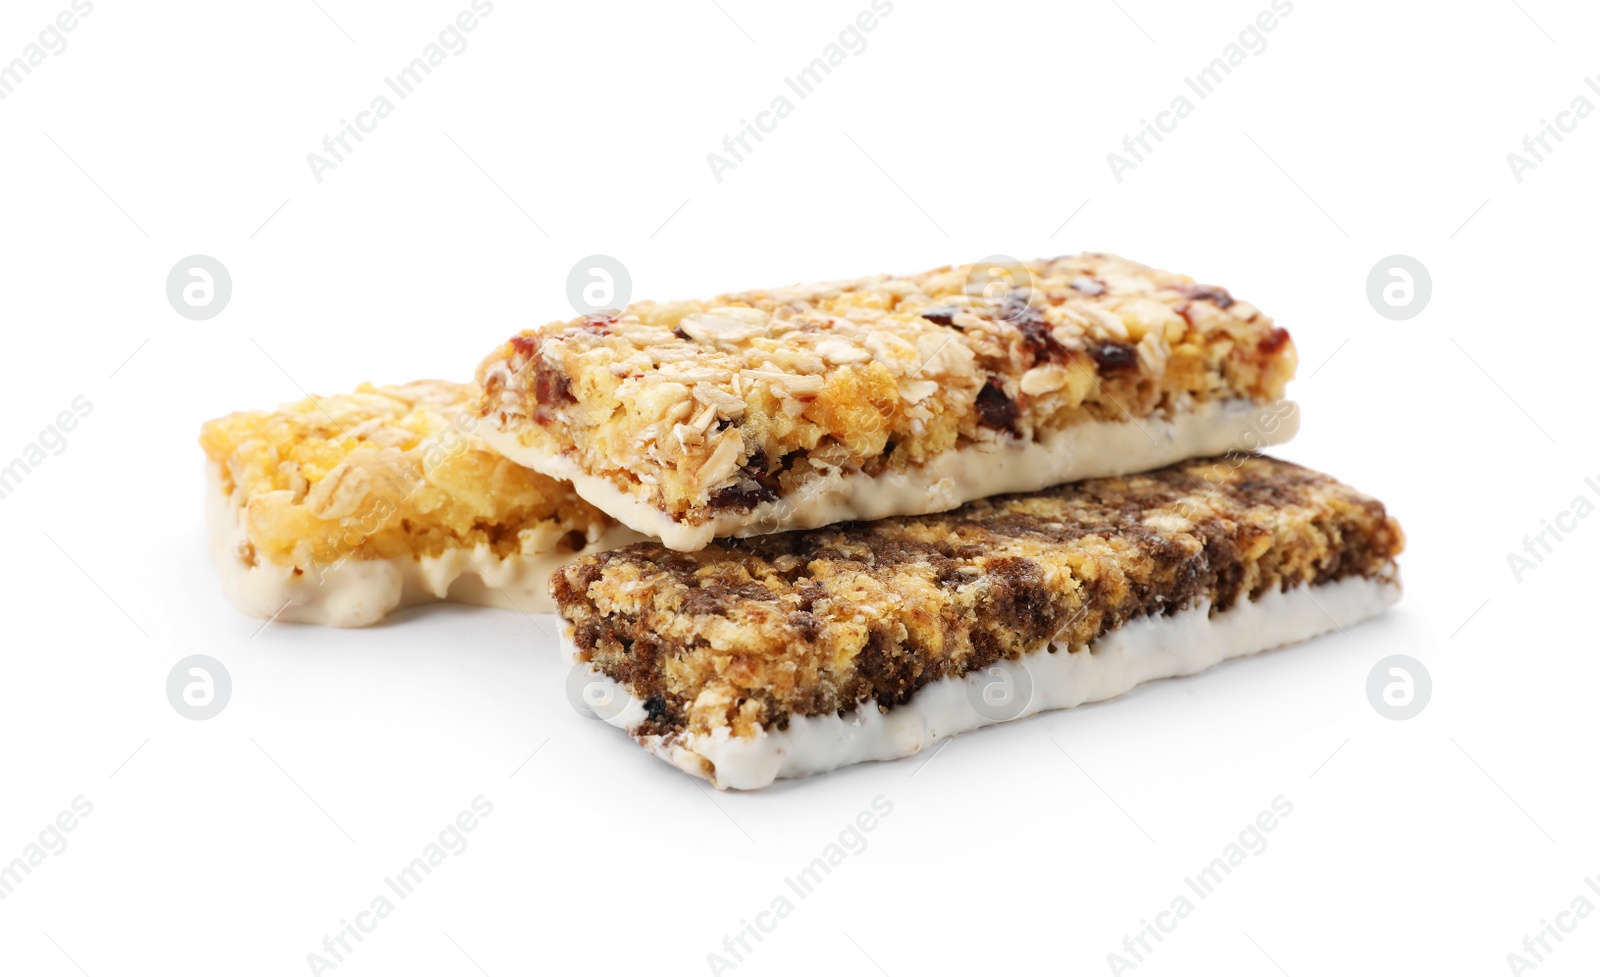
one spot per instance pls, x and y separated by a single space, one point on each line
233 846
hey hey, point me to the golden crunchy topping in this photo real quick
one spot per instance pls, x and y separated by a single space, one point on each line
702 407
744 634
386 472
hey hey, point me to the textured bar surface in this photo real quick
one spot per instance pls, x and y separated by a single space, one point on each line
796 407
744 638
339 509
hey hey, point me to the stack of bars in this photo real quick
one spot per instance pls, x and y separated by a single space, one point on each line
800 528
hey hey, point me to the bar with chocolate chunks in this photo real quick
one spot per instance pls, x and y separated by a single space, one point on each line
795 653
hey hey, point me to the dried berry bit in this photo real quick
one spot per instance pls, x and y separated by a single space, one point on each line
757 470
1113 356
743 495
1273 341
941 315
551 385
656 707
1038 340
996 411
1211 293
1029 319
1017 309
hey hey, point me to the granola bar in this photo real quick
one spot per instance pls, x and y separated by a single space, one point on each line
797 407
796 653
338 510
